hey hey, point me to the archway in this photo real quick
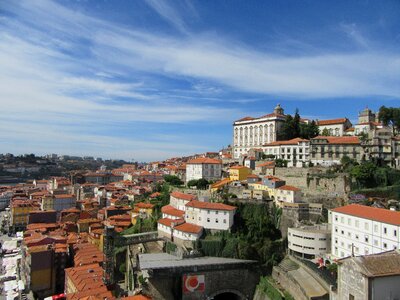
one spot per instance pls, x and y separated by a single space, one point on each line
227 296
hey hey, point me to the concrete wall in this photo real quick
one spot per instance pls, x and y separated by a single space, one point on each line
351 282
168 284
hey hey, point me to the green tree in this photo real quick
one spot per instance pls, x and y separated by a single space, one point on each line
192 183
390 116
325 132
364 173
173 180
202 184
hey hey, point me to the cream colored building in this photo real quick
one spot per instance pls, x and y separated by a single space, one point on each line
250 133
295 151
203 168
335 127
309 241
329 150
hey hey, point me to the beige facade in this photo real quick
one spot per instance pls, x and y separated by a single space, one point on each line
250 133
309 241
327 150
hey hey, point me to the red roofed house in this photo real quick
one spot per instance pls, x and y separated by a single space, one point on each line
185 218
203 167
288 193
179 200
335 127
209 215
329 150
363 230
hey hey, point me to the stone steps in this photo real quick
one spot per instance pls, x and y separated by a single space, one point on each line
288 265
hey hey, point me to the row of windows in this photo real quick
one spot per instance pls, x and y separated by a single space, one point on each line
366 225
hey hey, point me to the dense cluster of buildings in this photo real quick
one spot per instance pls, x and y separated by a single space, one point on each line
63 218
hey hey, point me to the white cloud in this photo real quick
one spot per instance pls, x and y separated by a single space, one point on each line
167 12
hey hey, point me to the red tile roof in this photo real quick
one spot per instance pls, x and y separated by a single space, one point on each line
210 205
288 188
294 141
238 167
245 119
267 164
144 205
339 139
172 211
188 227
332 121
183 196
204 160
168 222
371 213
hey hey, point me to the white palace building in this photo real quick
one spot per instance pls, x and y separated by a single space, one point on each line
251 132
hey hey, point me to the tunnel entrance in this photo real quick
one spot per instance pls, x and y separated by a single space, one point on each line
227 296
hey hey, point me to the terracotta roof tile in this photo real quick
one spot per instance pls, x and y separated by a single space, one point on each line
204 160
209 205
332 121
188 227
288 188
371 213
183 196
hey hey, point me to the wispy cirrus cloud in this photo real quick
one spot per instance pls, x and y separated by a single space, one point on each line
169 13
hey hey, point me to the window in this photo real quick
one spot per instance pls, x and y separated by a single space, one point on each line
366 239
395 232
351 297
224 213
376 243
216 220
356 236
208 212
336 218
224 221
384 230
208 219
349 221
384 245
375 228
366 226
357 223
342 220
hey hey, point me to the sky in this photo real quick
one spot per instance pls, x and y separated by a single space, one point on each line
152 79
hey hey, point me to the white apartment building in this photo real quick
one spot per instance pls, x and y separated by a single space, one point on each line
335 127
363 230
203 167
249 132
309 241
209 215
295 151
179 200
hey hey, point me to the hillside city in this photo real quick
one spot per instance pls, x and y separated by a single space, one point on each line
293 209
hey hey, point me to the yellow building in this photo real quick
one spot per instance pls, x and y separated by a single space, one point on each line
20 211
239 173
219 184
145 210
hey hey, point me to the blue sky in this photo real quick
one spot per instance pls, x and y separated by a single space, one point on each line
147 80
